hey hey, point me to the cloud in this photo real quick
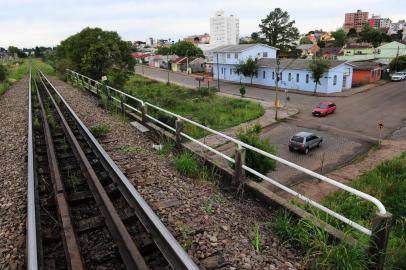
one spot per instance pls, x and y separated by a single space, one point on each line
28 23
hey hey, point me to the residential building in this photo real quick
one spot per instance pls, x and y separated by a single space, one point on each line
327 37
358 49
390 50
294 73
355 20
141 57
365 72
376 21
224 30
198 39
330 53
309 50
395 27
188 64
161 61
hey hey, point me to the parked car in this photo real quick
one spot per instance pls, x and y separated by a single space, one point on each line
304 142
398 76
324 108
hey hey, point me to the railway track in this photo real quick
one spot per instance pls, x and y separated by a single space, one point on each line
83 213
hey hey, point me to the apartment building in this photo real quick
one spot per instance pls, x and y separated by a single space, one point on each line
355 20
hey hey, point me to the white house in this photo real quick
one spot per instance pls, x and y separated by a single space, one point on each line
294 73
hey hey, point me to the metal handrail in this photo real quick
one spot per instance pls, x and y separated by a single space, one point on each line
32 255
328 180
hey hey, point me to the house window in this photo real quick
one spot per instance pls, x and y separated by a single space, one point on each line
335 80
289 76
222 70
297 77
236 55
263 74
228 56
231 71
265 54
273 75
280 76
307 78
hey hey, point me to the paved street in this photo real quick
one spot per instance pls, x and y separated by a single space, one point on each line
347 133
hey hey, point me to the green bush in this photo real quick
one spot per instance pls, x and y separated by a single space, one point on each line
253 159
207 91
100 130
187 164
3 73
242 90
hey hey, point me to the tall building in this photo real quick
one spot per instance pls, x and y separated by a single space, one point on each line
355 20
376 21
224 30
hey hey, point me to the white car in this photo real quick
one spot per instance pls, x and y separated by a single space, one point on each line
398 76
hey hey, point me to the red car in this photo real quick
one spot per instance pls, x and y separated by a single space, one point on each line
324 108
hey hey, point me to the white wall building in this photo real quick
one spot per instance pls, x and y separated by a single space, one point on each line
294 73
224 30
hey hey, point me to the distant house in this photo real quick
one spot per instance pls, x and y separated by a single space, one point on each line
188 64
309 50
384 53
294 73
390 50
330 53
141 57
358 49
161 61
365 72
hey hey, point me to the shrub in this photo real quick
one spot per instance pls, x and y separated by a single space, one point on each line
100 130
187 164
242 90
253 159
3 73
207 91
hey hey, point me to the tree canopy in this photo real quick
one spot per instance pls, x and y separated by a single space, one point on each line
17 51
398 63
248 68
181 48
318 67
374 36
95 52
305 40
278 30
339 37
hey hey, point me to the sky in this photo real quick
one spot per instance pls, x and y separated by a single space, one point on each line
28 23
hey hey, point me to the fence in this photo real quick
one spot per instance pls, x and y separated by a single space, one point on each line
142 108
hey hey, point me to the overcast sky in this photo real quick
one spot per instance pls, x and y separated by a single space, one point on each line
27 23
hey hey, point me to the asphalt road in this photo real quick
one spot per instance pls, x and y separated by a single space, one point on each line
357 115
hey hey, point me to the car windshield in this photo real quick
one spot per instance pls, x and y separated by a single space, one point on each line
322 106
398 74
297 139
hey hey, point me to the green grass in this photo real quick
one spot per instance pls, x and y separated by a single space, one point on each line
129 149
187 164
211 110
385 182
18 69
100 130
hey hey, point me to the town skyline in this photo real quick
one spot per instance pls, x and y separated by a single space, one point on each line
139 20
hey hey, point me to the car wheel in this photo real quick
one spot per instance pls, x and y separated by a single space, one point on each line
318 145
306 151
290 149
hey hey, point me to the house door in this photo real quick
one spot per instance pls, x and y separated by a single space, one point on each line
344 82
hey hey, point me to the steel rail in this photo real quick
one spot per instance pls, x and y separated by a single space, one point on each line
130 254
32 247
165 241
351 190
70 242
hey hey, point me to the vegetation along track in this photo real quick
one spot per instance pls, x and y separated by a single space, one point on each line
88 214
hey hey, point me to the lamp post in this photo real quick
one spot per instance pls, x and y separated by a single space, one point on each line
278 62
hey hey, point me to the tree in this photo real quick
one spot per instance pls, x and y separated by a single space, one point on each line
374 36
17 51
163 50
181 48
398 63
249 68
305 40
3 73
37 52
95 52
339 37
352 33
318 67
278 30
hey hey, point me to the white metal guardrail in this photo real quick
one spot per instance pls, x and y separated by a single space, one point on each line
96 87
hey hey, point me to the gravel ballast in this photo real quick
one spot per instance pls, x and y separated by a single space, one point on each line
213 226
13 175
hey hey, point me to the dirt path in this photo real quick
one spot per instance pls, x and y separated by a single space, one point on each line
13 140
214 227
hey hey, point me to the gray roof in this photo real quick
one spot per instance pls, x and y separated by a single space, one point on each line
293 63
364 65
238 48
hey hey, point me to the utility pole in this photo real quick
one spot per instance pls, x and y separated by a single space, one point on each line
278 62
218 72
167 64
397 59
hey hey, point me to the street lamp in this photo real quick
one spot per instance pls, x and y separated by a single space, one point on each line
278 62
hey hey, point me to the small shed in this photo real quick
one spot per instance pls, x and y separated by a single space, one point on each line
189 64
365 72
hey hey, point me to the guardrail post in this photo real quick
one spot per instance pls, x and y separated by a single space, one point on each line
108 93
97 90
379 240
82 82
144 111
179 129
122 103
239 173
